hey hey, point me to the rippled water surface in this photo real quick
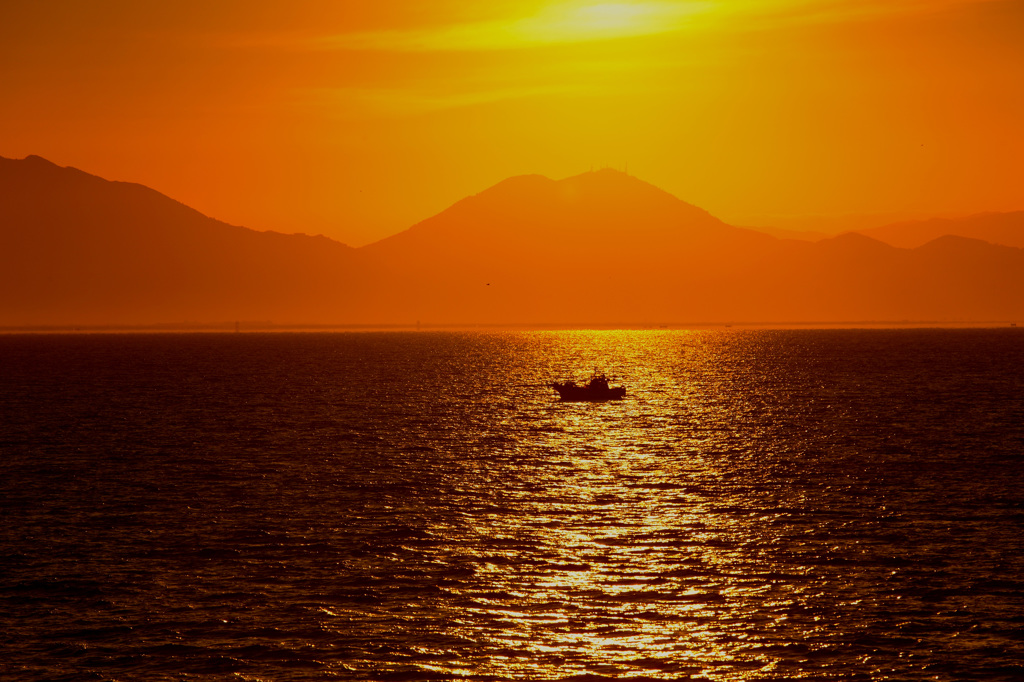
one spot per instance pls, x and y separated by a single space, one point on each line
410 506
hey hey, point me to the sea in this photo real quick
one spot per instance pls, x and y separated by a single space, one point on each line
765 504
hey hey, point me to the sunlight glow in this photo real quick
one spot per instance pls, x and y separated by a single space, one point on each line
601 21
558 23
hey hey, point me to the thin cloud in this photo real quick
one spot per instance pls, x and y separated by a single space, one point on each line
783 12
585 21
413 101
589 21
405 102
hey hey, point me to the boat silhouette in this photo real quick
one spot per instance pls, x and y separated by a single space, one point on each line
595 390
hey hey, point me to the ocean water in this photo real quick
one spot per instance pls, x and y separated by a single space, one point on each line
763 505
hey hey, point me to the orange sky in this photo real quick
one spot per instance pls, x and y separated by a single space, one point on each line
356 120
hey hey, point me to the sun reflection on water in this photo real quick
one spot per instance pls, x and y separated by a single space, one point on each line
712 525
615 562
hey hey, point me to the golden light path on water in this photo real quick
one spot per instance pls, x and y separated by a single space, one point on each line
629 542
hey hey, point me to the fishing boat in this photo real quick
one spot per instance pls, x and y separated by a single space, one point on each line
595 390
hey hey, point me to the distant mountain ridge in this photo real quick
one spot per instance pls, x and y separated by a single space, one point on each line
78 249
591 206
1006 229
601 247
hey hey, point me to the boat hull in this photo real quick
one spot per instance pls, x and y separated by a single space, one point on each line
584 394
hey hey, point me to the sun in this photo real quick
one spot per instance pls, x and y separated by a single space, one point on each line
585 21
613 18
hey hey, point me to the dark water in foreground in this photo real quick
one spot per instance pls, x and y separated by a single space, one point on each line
763 505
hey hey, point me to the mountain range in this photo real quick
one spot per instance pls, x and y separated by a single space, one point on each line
598 248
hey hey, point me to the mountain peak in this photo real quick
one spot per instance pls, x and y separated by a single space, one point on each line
31 161
36 166
608 178
600 190
609 173
517 184
36 159
567 218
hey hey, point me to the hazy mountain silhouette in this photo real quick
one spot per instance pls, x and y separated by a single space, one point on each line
78 249
605 246
801 235
998 228
597 246
601 247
